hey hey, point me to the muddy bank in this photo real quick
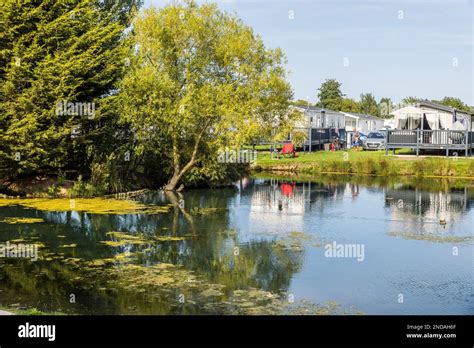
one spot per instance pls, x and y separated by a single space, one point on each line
35 186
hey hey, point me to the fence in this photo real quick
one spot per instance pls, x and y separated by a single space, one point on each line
431 139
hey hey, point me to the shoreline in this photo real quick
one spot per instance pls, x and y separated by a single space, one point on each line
296 172
363 163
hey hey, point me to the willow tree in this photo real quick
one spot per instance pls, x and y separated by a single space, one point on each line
201 81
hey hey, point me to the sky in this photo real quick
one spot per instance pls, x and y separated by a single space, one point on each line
390 48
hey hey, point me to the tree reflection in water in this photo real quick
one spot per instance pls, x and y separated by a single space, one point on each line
214 237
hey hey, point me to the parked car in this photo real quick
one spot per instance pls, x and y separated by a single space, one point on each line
374 141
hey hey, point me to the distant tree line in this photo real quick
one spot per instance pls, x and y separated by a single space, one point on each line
330 96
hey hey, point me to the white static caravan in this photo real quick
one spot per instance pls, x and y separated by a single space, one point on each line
321 125
362 123
431 126
431 116
315 117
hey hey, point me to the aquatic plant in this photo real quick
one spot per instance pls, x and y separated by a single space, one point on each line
121 239
206 211
87 205
437 238
21 220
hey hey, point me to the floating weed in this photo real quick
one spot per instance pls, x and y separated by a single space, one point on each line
211 293
230 232
21 220
52 256
88 205
168 238
436 238
294 241
162 282
122 239
19 240
69 246
31 311
305 307
206 211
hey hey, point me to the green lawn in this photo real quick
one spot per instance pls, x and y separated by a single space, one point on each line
264 158
367 162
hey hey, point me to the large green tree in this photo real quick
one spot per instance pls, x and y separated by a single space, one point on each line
411 100
201 81
348 105
368 104
454 103
385 107
53 52
330 94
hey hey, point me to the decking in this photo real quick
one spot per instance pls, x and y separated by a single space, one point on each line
320 136
448 140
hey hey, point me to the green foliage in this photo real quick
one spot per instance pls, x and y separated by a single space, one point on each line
411 100
55 51
454 103
368 104
84 189
200 81
298 137
301 102
385 107
329 93
349 105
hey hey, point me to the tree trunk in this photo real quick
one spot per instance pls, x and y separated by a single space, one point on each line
178 173
171 185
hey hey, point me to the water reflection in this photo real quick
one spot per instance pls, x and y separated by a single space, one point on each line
232 237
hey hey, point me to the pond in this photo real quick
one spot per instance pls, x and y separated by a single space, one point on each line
269 245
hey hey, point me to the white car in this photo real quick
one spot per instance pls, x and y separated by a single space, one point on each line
374 141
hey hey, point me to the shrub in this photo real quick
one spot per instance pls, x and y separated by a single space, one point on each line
83 189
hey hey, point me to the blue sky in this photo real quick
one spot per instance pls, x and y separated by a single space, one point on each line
391 48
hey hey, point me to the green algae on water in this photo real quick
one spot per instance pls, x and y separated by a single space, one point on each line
294 241
21 220
69 246
436 238
87 205
206 211
122 238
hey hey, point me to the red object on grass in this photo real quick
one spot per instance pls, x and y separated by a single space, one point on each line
288 148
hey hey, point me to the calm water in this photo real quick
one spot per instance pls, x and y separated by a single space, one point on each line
268 234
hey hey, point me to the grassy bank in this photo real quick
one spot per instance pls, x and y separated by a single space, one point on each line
367 163
396 182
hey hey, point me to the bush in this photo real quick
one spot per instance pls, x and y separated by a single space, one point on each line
83 189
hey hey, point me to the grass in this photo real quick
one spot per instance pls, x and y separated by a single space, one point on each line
367 163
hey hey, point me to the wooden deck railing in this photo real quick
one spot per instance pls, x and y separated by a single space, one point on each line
430 139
